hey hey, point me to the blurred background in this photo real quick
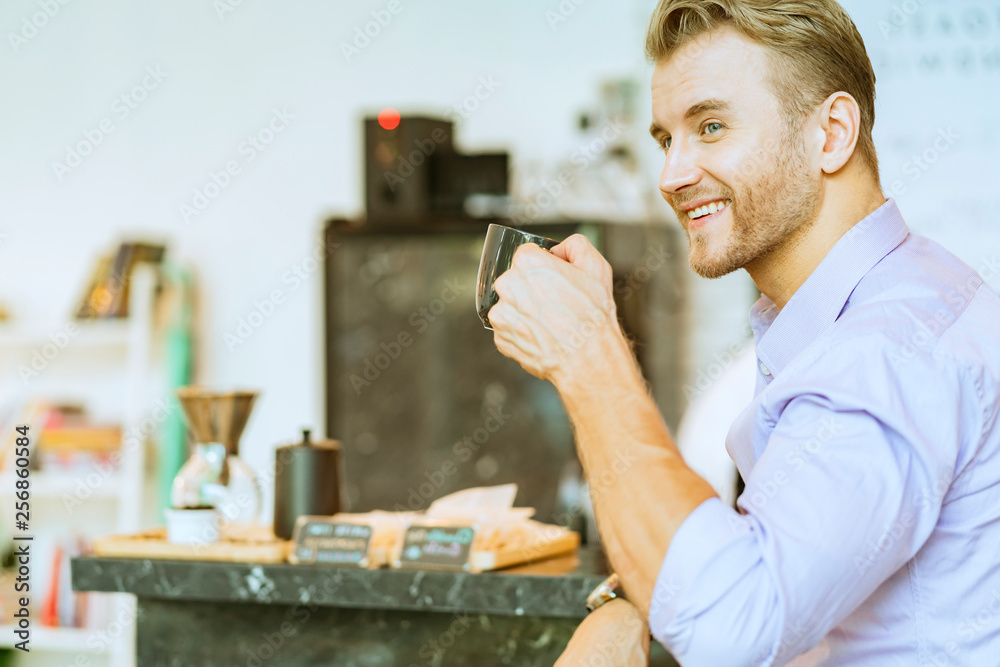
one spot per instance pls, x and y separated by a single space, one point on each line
190 193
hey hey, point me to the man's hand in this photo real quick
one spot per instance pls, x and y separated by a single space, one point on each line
615 634
557 318
555 309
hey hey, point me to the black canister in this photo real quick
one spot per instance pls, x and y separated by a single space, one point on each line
306 482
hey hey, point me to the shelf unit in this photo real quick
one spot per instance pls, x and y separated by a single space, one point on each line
62 640
54 484
133 338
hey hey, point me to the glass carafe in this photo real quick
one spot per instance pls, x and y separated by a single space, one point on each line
214 475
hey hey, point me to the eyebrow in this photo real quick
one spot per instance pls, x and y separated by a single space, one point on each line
712 104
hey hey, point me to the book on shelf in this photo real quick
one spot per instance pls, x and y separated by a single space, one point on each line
62 436
56 605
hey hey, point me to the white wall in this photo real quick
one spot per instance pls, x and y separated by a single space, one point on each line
224 76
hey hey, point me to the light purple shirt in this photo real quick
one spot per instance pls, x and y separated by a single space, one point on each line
869 530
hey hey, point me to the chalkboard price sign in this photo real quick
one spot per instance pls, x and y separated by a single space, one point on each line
436 548
323 540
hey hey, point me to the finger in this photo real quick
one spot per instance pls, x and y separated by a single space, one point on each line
573 248
505 320
530 256
500 285
497 318
507 287
578 251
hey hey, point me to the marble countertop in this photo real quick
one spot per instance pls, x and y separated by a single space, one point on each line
554 588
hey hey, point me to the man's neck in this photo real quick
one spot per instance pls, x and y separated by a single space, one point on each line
780 273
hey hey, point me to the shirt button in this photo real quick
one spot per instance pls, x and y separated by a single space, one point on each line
763 369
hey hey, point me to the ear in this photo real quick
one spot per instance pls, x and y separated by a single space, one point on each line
840 122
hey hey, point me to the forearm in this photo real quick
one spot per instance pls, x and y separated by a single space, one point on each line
641 488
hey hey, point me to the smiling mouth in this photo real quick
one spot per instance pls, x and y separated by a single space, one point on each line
708 209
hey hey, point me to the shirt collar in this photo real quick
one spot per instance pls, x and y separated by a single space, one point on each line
817 304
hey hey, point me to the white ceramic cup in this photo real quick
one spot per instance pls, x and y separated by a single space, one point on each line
190 526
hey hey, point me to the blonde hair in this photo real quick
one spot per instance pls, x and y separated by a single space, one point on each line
815 47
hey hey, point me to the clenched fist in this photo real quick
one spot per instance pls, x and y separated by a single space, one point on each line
556 309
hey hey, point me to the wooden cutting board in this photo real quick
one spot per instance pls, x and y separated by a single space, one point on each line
484 561
255 545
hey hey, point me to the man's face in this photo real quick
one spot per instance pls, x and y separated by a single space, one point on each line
737 173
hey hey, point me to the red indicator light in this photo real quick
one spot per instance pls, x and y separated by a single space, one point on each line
388 118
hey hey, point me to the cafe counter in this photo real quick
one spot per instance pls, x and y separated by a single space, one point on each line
195 613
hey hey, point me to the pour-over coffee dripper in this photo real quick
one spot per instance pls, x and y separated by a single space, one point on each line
214 475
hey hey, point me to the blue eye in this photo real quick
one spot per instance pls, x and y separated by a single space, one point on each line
665 144
712 128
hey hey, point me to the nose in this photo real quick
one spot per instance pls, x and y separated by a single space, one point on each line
679 170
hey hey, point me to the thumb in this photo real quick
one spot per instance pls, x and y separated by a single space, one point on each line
578 251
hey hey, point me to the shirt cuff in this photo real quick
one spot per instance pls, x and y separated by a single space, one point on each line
709 529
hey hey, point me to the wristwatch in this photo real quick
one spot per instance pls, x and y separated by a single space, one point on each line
607 590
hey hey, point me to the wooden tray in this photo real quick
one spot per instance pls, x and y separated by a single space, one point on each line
256 545
483 561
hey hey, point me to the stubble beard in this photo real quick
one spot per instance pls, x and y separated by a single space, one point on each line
779 201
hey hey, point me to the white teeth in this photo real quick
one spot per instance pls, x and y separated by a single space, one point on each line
714 207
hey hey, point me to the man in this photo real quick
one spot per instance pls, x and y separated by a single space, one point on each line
869 531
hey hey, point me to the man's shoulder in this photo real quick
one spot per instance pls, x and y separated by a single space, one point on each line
922 300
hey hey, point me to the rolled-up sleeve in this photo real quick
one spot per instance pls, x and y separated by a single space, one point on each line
847 490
